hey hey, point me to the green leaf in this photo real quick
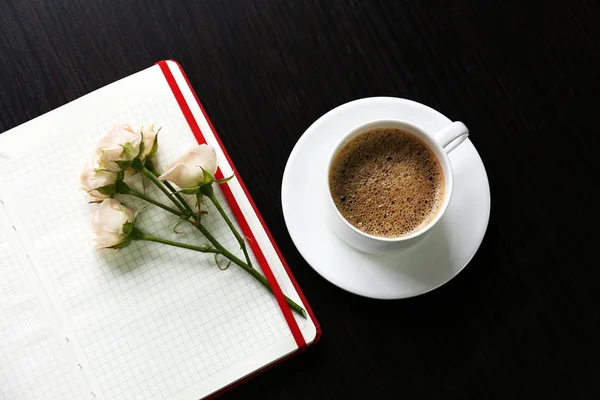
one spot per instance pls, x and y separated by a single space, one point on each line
123 244
193 190
222 181
128 228
137 164
142 145
154 147
136 234
208 178
123 165
107 190
122 187
129 151
149 165
96 170
207 189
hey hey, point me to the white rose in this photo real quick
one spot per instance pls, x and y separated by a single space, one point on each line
98 182
111 224
118 148
187 171
150 143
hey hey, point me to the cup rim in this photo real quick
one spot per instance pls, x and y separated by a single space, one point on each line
448 180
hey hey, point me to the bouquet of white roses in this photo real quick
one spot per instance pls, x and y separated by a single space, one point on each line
124 151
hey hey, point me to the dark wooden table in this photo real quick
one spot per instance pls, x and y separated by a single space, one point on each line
523 319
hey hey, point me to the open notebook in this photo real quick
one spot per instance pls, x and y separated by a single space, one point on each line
148 321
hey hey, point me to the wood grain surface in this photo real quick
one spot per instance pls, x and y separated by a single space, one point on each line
523 319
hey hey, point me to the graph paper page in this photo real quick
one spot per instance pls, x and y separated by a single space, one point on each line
33 363
148 321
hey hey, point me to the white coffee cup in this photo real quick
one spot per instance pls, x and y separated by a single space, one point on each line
440 143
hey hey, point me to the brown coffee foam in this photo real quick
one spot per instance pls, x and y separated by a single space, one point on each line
387 182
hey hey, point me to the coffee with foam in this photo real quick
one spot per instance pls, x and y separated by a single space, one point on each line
387 183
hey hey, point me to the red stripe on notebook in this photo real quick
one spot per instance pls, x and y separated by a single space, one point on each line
258 214
237 212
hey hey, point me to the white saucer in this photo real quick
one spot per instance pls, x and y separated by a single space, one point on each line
436 259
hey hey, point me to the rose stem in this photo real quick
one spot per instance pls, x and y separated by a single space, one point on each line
160 185
142 236
254 273
124 189
211 195
150 166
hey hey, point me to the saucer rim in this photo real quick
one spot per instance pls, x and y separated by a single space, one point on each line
307 257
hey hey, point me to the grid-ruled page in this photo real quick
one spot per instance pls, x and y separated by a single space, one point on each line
32 362
151 320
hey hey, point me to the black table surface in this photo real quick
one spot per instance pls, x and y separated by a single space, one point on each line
523 318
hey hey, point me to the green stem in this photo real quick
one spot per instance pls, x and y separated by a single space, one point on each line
263 281
151 238
152 168
152 201
206 233
219 248
237 235
254 273
162 187
180 198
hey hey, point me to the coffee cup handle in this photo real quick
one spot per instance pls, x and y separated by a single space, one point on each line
452 135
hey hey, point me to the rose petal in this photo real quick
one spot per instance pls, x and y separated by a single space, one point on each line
102 238
108 239
207 156
126 127
92 179
149 136
179 160
129 214
182 176
110 216
86 174
168 174
111 147
108 156
189 158
103 178
97 195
